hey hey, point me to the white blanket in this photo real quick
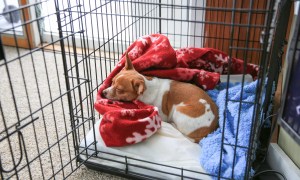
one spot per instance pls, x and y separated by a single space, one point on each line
168 147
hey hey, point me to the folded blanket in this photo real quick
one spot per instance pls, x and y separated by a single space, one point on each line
211 145
154 56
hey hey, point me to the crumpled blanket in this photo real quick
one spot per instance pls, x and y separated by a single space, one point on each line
234 134
126 123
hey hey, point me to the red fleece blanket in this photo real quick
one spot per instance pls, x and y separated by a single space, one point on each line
125 123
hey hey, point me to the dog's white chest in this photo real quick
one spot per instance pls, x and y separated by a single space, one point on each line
155 90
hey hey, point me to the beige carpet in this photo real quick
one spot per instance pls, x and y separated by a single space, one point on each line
36 84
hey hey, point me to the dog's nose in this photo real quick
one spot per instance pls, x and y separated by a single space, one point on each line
104 93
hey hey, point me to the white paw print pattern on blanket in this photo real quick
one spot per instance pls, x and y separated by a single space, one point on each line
216 68
151 128
220 58
156 59
183 51
158 47
128 112
143 40
136 52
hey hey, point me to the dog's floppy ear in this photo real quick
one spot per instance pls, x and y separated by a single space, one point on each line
139 86
128 64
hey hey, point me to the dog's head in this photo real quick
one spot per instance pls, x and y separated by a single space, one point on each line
127 85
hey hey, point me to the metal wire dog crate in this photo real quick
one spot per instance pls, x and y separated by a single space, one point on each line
50 73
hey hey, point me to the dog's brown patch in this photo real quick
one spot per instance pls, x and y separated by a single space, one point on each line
189 95
165 107
200 133
193 110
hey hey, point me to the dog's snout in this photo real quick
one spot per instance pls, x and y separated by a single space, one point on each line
104 93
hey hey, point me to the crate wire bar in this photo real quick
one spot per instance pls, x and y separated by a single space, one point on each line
48 89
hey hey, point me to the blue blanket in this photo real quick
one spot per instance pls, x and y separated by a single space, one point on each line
211 145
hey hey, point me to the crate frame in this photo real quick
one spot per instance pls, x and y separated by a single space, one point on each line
80 87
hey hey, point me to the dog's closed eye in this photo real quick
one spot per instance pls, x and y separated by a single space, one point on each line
120 91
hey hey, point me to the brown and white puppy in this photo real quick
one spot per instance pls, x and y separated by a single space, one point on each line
187 106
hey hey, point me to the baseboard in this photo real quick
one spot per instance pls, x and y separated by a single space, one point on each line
279 161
